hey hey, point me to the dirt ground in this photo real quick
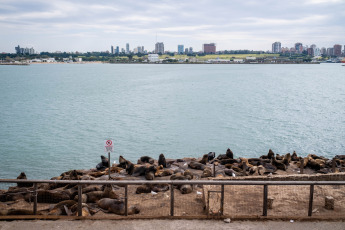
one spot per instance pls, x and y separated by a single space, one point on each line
168 224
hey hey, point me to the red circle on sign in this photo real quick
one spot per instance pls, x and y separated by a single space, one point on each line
109 142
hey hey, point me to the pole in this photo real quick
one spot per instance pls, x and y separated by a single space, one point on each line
265 200
79 200
222 201
109 163
126 200
35 198
301 166
171 200
311 198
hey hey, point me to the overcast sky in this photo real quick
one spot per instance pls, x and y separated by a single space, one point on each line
90 25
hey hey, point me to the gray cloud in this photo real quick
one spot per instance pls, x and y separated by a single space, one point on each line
89 25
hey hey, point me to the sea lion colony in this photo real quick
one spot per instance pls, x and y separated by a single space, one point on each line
97 198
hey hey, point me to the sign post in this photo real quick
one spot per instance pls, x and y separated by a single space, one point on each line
109 147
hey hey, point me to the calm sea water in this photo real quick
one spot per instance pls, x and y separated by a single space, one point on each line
54 118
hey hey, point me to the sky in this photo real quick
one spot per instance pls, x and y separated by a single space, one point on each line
90 25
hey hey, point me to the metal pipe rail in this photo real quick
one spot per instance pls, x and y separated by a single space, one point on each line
176 182
222 183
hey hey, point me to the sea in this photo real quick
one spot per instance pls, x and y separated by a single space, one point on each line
56 117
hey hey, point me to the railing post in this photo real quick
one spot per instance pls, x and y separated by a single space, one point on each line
79 200
35 198
311 198
222 201
264 213
301 167
126 200
171 200
214 169
333 165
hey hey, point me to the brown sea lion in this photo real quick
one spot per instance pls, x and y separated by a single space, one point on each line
160 187
22 176
294 156
186 188
116 206
146 159
188 174
229 153
270 154
228 161
287 159
59 209
204 159
279 164
83 198
162 161
145 188
207 172
46 196
122 162
196 165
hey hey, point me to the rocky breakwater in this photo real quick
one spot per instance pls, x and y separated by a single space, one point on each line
96 199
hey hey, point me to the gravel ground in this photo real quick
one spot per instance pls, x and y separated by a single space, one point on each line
168 224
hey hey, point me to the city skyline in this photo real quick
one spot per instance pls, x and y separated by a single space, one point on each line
233 25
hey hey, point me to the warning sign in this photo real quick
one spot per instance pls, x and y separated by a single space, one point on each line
108 146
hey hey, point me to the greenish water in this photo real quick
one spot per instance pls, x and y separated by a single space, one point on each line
54 118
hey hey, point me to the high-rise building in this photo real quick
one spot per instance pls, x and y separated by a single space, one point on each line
159 48
209 48
180 49
186 50
337 50
127 48
299 47
123 50
330 51
117 50
276 47
310 51
190 50
323 51
112 49
26 50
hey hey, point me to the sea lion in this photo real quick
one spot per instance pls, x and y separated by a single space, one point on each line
294 156
160 187
222 157
279 164
46 196
162 161
211 156
83 198
270 154
22 176
204 159
287 159
103 164
196 165
269 168
146 159
60 208
186 188
228 161
116 206
230 172
229 153
145 188
188 174
207 172
178 176
122 162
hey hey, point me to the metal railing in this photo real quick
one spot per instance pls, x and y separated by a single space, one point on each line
125 183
